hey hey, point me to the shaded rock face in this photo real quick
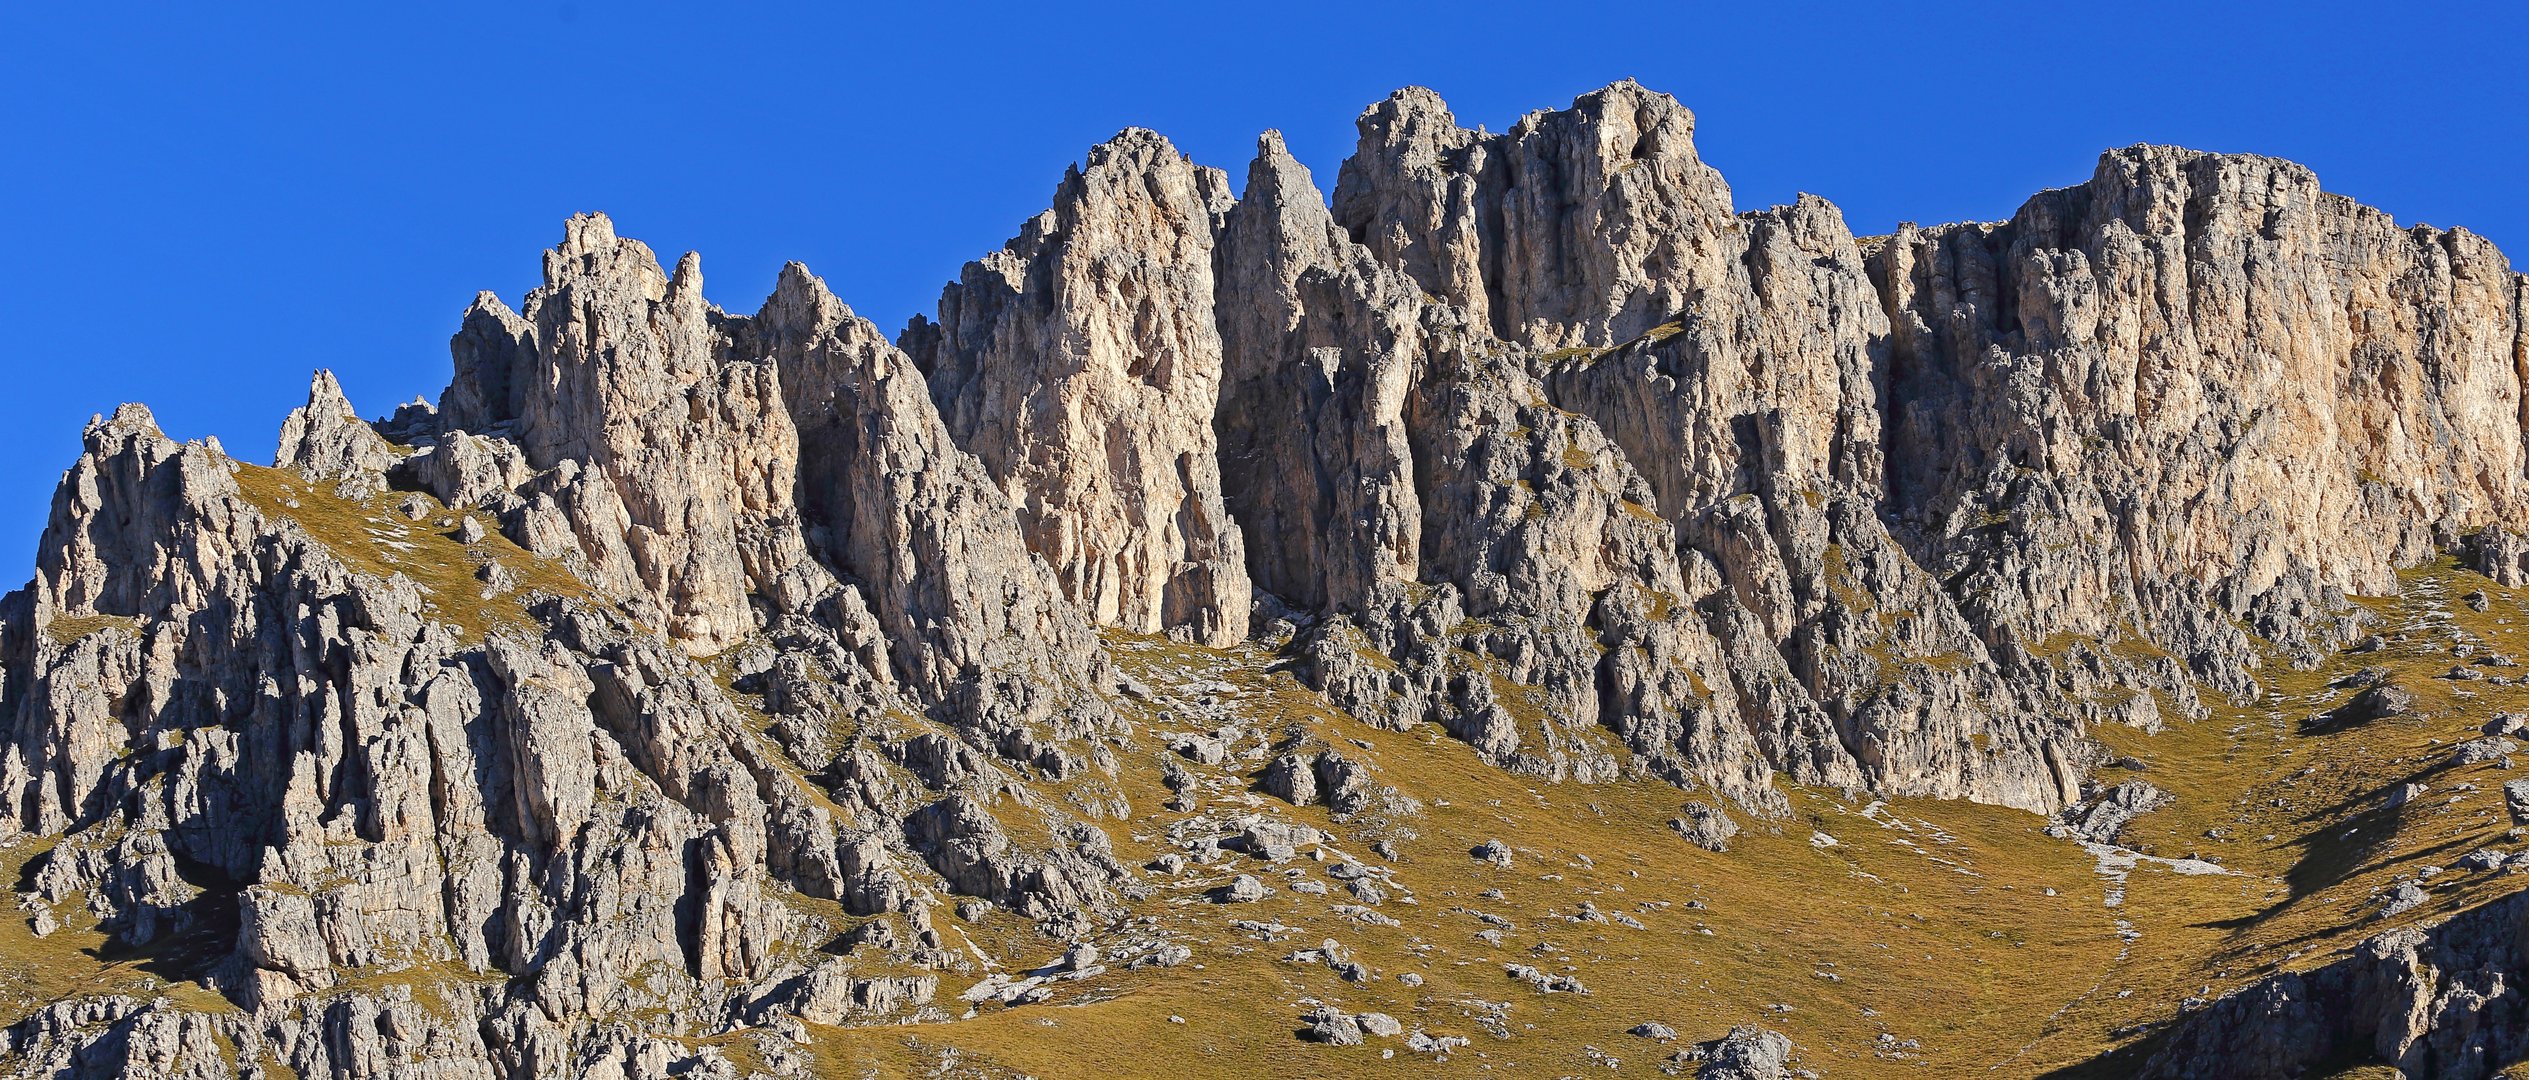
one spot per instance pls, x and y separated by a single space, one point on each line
1082 364
2498 552
1321 347
2429 1001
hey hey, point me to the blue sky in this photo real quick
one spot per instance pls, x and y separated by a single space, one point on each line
202 204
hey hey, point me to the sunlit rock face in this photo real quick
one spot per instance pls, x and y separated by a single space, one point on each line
684 679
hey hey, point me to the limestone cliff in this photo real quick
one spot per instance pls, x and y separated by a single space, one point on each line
1083 365
685 683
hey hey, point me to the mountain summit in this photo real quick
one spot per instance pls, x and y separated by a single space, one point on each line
1520 612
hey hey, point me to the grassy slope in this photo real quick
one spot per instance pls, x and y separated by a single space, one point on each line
1941 931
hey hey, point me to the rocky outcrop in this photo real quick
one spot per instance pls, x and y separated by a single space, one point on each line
2500 553
2441 1001
1755 416
327 438
2196 382
1321 345
1082 364
1734 362
247 750
1570 585
1582 226
663 461
973 618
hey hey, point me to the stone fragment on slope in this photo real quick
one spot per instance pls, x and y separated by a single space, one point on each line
1545 982
2480 751
1243 889
1746 1053
1705 826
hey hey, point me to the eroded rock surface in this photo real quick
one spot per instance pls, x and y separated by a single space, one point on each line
1082 364
785 641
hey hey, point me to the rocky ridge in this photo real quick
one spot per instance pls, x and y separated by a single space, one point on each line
678 672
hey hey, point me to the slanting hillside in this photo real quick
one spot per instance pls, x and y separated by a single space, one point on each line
1515 614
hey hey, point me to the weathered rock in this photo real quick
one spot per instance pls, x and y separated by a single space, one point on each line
1746 1053
1243 889
616 818
2176 370
829 994
973 619
2480 751
2378 702
2402 899
666 462
1320 346
1334 1028
2100 819
1291 778
1575 227
2423 1000
1705 826
1598 226
1063 886
1082 364
1545 982
1529 436
326 439
2500 553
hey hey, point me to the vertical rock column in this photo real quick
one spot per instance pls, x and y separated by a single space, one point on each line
1082 365
970 614
1320 346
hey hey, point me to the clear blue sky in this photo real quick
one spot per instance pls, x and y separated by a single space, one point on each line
204 203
